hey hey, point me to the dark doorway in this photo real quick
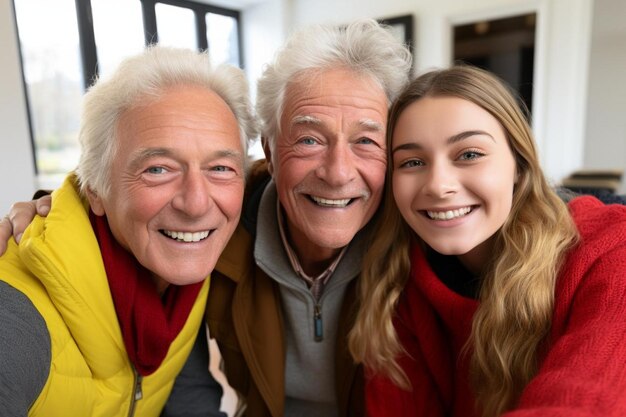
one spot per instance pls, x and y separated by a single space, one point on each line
505 47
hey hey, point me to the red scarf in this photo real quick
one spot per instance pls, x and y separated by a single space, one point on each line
148 322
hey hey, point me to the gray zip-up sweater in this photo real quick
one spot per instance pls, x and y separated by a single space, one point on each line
309 364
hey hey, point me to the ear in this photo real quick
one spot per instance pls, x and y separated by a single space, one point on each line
95 202
267 150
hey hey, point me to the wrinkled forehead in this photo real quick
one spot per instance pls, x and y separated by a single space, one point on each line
334 95
179 118
316 81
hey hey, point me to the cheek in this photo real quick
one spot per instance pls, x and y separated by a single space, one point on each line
290 174
135 209
230 199
496 177
283 186
286 167
126 220
497 188
373 172
377 190
143 205
403 192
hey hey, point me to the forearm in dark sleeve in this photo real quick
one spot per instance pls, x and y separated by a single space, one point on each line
196 393
24 352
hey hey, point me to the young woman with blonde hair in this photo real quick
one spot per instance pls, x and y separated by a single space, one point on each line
484 293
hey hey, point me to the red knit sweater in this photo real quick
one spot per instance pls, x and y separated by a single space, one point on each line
583 372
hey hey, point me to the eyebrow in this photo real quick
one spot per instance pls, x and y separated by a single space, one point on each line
305 120
145 154
451 140
371 125
368 124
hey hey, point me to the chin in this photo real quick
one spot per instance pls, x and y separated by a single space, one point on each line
450 250
333 242
182 278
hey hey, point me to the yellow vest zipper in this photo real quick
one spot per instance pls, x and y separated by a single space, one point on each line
137 393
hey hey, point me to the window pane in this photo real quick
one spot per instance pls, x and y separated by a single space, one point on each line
221 32
48 35
176 26
118 28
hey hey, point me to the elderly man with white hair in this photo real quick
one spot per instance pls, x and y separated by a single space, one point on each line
283 297
101 303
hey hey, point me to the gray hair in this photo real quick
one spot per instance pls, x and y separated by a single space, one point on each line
137 81
363 46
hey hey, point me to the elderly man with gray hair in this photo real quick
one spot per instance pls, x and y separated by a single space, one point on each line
101 303
283 293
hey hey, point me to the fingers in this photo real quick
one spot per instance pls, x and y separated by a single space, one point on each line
20 215
5 233
43 205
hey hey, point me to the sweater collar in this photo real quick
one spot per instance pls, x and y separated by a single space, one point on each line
271 255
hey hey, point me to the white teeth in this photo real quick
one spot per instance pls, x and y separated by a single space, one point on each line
331 203
187 236
448 215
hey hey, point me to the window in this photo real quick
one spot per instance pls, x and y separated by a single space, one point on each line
176 25
127 37
221 32
66 44
53 74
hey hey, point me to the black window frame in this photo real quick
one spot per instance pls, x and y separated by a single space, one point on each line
87 41
200 11
87 38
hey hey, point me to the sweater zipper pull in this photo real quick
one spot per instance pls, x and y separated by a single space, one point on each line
317 324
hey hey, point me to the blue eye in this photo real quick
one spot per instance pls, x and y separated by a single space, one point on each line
221 168
307 140
366 141
156 170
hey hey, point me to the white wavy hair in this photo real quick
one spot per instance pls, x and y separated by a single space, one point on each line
363 46
138 80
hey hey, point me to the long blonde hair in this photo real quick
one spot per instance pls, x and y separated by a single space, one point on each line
517 290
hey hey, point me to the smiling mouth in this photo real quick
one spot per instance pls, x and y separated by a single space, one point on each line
448 214
326 202
188 237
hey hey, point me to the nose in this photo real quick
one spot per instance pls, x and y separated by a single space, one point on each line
339 166
441 181
194 197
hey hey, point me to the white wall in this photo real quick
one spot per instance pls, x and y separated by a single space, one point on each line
561 60
17 171
605 145
264 25
264 32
